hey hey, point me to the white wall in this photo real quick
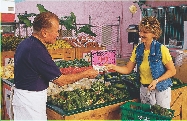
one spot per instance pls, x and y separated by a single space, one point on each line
5 4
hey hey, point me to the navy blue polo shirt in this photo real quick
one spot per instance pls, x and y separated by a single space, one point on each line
33 66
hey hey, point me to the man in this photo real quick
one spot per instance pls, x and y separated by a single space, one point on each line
34 69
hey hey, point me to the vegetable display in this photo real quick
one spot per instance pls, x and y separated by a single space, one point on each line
80 98
156 109
72 63
176 82
10 43
58 44
130 80
7 72
73 66
143 111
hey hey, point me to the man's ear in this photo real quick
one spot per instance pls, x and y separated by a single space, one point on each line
43 32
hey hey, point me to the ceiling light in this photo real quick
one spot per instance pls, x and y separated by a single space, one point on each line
160 7
172 7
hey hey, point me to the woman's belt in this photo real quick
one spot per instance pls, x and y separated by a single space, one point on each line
145 85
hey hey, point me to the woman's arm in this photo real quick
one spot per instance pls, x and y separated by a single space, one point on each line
171 71
121 69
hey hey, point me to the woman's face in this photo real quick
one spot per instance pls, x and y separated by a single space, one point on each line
146 36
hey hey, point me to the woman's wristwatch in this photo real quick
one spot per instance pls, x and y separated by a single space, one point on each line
156 80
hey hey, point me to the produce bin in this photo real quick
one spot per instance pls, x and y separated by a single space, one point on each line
81 52
80 110
62 53
140 111
110 112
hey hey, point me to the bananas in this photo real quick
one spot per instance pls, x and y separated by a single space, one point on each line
7 72
58 44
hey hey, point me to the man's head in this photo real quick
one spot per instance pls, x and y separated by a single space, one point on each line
46 26
150 25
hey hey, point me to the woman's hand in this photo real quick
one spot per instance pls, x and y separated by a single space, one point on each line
152 86
109 66
126 69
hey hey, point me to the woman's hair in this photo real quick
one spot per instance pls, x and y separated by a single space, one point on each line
43 20
151 24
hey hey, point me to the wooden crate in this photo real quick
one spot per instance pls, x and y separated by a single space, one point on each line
179 103
111 112
81 50
63 53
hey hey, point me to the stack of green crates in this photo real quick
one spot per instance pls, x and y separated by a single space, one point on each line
140 111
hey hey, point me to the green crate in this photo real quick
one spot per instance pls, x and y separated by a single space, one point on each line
140 111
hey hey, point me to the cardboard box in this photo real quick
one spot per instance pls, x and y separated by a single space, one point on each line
181 66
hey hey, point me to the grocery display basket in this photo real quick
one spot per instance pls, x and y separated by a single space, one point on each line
140 111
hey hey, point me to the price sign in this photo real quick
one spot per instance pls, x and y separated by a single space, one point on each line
9 61
102 57
87 56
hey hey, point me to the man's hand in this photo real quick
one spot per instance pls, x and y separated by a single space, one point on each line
91 73
71 78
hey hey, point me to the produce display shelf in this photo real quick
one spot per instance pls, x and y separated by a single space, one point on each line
11 81
80 110
8 81
140 111
178 86
178 96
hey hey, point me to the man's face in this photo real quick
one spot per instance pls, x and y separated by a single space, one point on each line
52 33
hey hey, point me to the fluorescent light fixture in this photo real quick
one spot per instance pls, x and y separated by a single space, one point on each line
160 7
172 7
149 8
184 6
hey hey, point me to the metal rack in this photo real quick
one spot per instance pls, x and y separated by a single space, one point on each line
109 35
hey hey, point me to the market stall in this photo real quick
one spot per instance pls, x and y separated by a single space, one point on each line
104 108
104 103
99 98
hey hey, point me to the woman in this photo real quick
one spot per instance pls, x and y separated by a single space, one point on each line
154 65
